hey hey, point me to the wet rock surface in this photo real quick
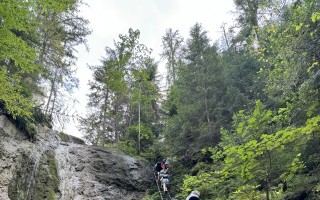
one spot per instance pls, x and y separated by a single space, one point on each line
55 167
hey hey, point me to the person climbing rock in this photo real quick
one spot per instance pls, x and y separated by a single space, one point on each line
164 180
163 172
157 168
194 195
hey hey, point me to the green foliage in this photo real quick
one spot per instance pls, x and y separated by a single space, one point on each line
267 156
264 91
287 51
17 57
203 182
26 125
124 95
255 165
192 123
301 185
315 17
15 53
269 146
126 146
154 196
15 103
109 93
248 192
172 47
145 132
25 50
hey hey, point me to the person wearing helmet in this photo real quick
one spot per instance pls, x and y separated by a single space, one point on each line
194 195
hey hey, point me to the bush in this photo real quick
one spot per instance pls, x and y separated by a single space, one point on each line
125 146
27 124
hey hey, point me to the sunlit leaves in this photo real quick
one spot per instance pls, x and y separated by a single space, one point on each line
263 144
15 103
23 43
315 17
271 151
289 54
17 56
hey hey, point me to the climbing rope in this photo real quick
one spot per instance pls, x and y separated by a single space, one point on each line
155 178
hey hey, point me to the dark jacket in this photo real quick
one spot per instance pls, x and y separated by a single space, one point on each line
157 167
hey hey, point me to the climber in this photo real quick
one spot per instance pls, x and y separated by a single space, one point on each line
157 168
164 180
163 164
163 172
194 195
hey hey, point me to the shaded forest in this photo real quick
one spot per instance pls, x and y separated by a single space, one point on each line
240 118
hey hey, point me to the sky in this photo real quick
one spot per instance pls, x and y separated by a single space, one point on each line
109 18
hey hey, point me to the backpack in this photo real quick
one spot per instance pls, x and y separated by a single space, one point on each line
158 167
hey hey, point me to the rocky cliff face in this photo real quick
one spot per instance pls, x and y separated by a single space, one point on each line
58 166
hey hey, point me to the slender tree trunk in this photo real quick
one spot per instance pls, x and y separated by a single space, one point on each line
139 130
49 99
104 123
205 71
116 132
52 89
139 121
267 190
268 184
173 63
225 36
53 102
207 107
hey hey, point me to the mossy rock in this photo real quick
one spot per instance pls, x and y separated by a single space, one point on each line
44 184
18 186
69 138
64 137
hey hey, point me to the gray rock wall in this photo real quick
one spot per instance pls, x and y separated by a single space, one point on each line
58 166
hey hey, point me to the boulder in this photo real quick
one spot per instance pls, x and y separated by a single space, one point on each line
60 166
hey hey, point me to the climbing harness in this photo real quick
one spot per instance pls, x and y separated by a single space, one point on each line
163 195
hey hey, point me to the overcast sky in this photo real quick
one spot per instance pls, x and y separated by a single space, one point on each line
109 18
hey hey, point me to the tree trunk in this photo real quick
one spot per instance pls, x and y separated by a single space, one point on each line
104 123
225 36
52 90
268 184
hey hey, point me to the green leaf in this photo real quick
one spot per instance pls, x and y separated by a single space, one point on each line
299 26
315 17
